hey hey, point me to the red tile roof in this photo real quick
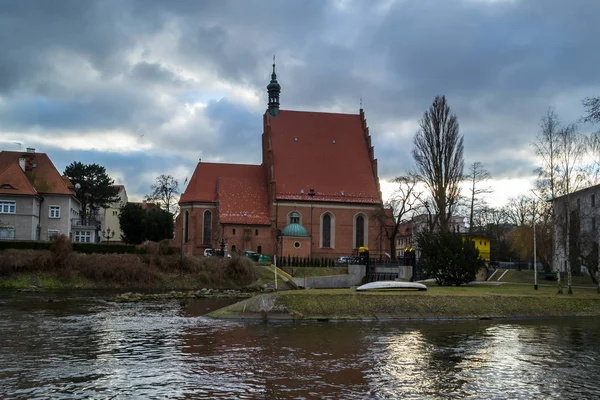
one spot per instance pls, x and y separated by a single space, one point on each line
14 181
203 185
406 228
40 171
324 151
243 200
237 188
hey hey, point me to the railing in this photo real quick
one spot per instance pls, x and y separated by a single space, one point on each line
85 223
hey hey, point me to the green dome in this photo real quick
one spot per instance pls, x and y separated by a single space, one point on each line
294 230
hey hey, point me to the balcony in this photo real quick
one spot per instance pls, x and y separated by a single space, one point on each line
85 223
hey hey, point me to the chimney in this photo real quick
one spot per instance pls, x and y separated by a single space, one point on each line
22 163
31 150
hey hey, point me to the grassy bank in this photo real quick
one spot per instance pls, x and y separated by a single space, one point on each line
470 302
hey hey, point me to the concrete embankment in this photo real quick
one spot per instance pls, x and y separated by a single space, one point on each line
346 304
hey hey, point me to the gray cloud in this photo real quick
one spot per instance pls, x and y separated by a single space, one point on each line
136 66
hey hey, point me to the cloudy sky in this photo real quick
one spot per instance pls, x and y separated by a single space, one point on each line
147 87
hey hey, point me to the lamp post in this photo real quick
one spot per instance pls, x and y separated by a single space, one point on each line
535 281
311 194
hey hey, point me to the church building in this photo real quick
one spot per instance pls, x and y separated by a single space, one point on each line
315 194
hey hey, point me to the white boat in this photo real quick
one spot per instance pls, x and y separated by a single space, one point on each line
389 285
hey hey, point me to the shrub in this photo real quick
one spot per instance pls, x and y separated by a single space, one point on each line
24 245
239 271
126 270
104 248
61 251
448 258
14 261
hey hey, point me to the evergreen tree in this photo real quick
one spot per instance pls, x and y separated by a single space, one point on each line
93 187
131 219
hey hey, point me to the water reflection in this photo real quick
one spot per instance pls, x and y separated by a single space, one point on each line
83 347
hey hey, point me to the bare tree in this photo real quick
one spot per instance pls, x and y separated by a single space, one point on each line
518 210
547 147
164 191
572 149
477 177
438 154
403 203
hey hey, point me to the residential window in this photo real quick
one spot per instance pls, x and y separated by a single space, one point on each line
7 233
593 200
52 234
256 232
233 231
54 212
326 230
7 207
207 235
83 236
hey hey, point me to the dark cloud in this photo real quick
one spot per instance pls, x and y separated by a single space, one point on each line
144 66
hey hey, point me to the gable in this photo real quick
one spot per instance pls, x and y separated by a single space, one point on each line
14 181
325 151
40 171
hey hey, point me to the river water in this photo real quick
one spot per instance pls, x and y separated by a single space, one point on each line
78 346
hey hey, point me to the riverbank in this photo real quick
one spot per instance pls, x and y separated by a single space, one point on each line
61 268
469 302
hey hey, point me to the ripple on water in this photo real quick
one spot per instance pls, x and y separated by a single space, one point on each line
162 350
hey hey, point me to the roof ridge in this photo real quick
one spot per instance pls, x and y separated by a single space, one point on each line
319 112
221 163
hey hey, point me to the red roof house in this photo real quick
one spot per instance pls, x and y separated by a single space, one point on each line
315 193
36 201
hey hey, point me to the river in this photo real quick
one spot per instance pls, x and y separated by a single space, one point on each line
79 346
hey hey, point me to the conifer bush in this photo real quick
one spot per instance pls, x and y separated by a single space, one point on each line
449 258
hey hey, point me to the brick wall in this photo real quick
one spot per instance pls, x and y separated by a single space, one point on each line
246 237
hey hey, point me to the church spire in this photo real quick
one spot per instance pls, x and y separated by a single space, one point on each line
273 88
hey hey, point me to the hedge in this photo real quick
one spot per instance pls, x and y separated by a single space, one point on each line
87 248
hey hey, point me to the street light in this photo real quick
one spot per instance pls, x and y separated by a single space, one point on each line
535 278
311 194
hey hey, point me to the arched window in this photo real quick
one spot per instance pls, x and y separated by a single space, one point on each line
186 224
259 249
359 234
326 230
207 231
233 248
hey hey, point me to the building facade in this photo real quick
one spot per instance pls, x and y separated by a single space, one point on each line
580 230
36 202
315 194
110 227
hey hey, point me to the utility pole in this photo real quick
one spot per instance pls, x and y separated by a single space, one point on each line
535 277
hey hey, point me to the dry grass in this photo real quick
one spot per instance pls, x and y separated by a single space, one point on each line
126 270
